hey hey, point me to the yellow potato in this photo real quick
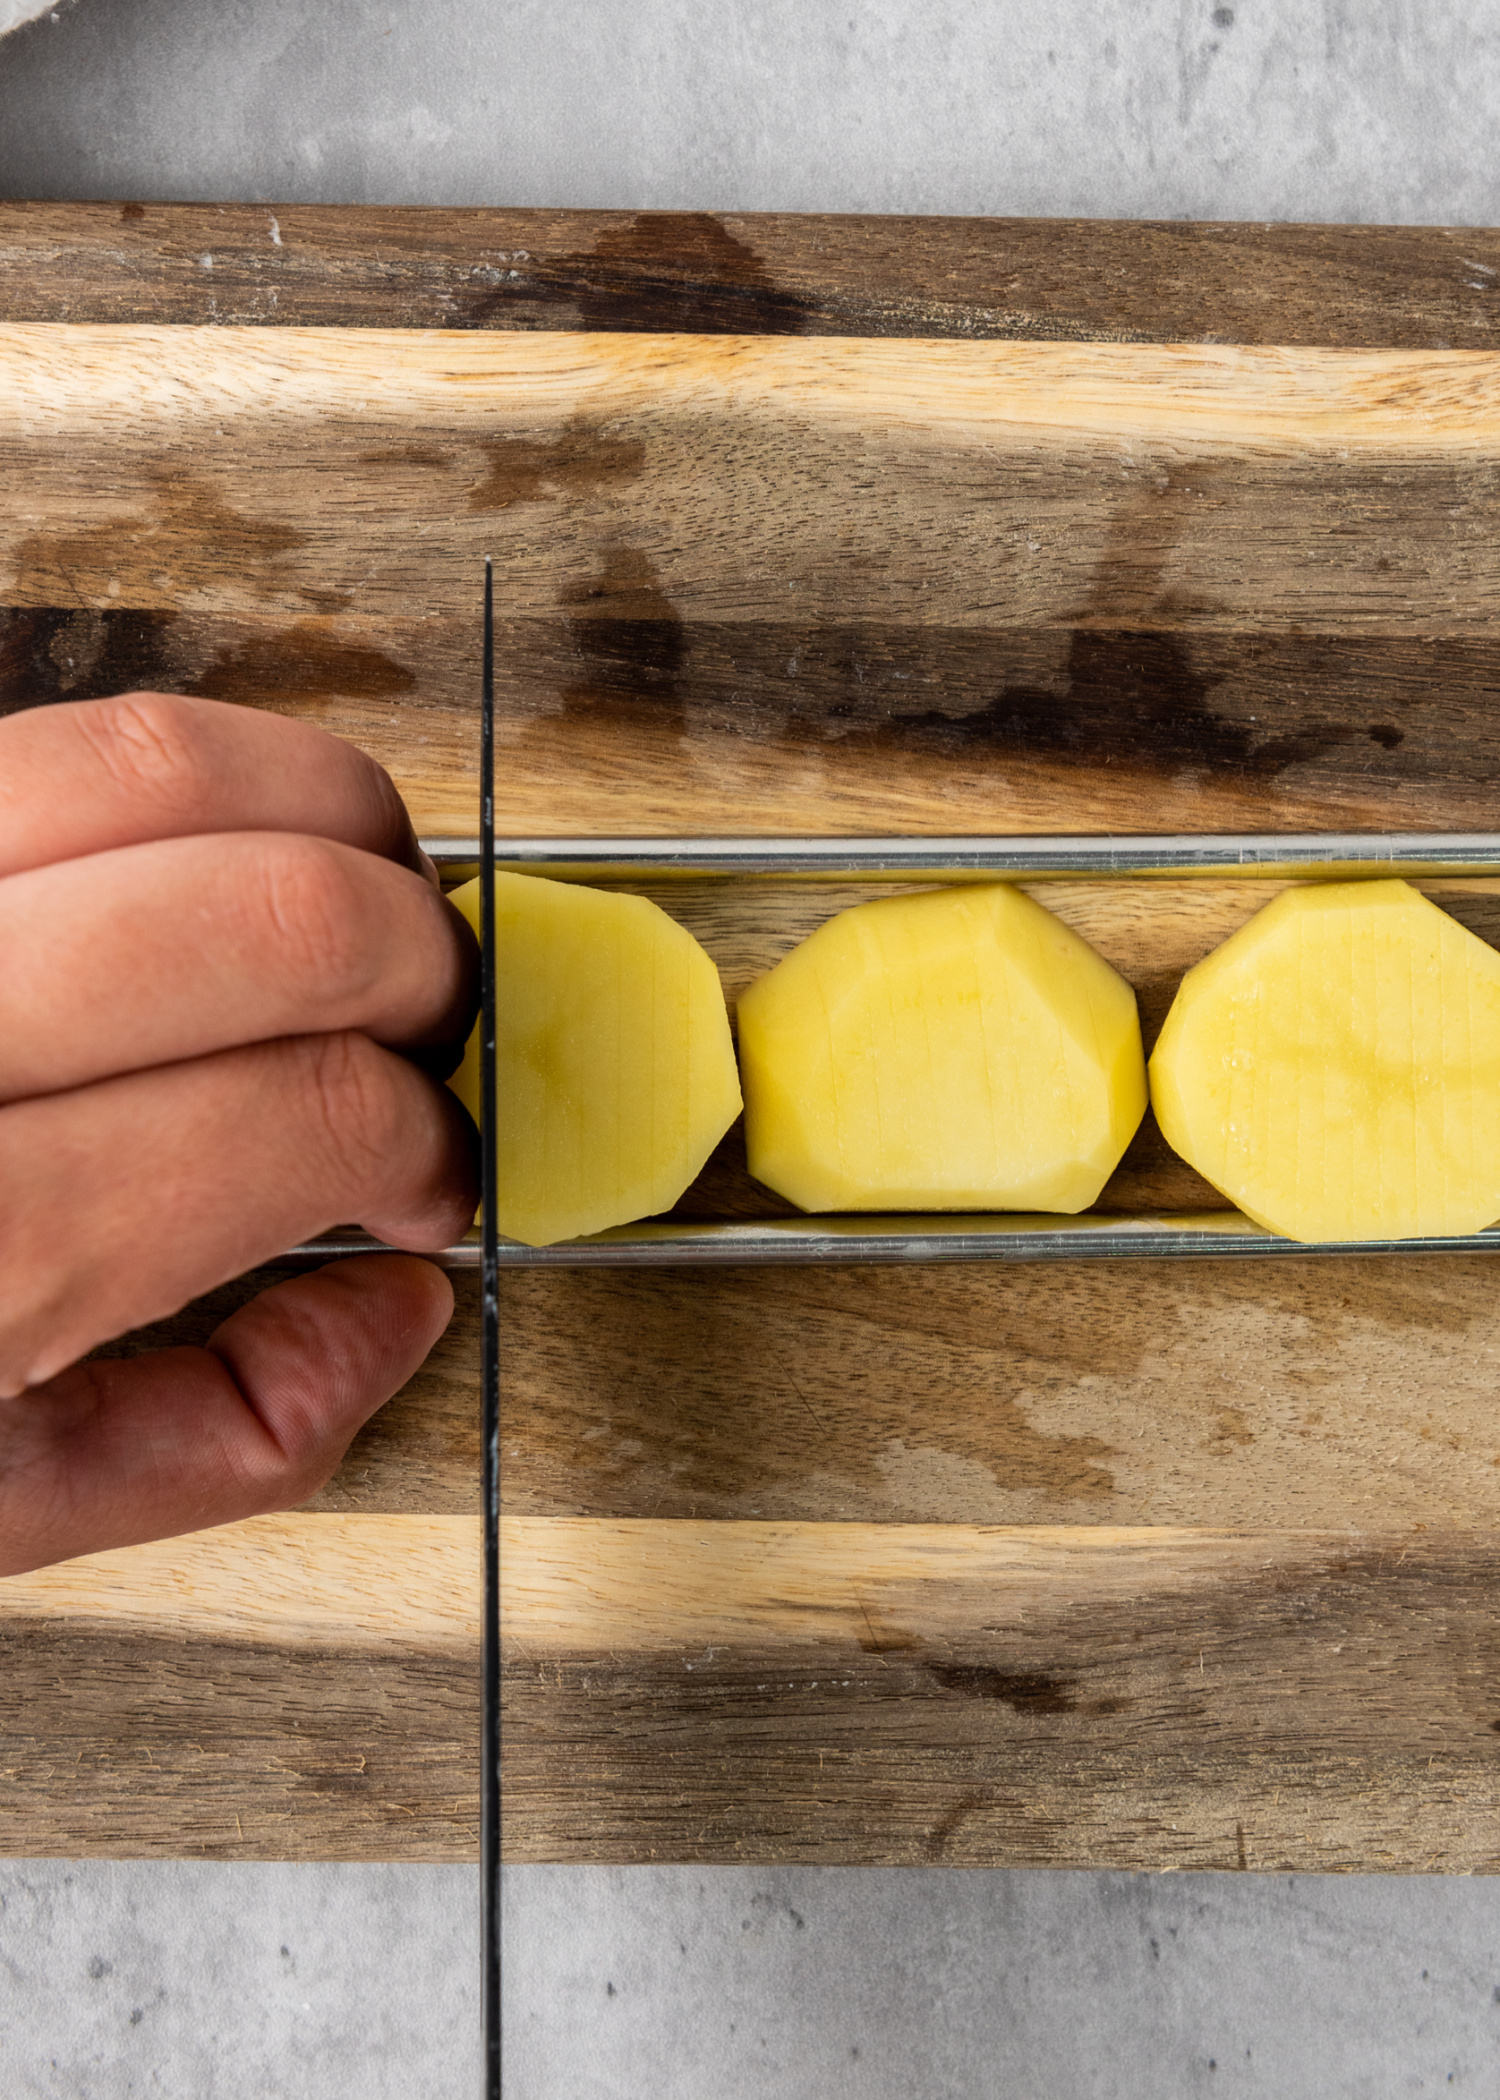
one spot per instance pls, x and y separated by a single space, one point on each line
957 1050
1334 1067
614 1068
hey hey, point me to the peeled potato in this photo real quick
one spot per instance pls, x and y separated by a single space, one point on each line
1334 1067
614 1069
957 1050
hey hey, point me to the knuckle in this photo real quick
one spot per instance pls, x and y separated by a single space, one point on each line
355 1104
152 745
291 1465
303 1462
312 903
391 825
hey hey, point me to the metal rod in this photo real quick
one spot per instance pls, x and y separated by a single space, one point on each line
1007 1236
1320 854
489 1797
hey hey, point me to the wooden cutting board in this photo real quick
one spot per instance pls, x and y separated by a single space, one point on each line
810 524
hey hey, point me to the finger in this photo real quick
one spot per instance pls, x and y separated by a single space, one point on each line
125 1199
111 1454
89 775
154 954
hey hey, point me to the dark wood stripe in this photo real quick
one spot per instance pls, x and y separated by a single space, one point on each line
126 1745
1068 280
873 726
1336 1715
1330 1709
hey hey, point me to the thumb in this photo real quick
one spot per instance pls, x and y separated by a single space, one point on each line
111 1454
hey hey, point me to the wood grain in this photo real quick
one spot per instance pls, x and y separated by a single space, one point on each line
1345 1396
762 273
1088 528
940 1693
655 727
955 485
279 1689
987 1699
404 1582
770 585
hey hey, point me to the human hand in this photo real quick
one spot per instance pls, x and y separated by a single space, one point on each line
216 934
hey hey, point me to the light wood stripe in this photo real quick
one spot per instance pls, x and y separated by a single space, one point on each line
58 374
973 486
308 1686
578 1586
290 1580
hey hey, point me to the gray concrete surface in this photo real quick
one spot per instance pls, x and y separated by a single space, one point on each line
1316 109
345 1983
673 1984
661 1983
204 1982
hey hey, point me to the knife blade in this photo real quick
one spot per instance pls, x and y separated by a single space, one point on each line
489 1798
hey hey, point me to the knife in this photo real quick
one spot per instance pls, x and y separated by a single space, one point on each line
489 1373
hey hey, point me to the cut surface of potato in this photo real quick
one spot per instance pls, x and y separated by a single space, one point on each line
961 1049
1334 1067
614 1068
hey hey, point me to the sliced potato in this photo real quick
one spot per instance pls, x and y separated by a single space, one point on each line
615 1072
961 1049
1334 1067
